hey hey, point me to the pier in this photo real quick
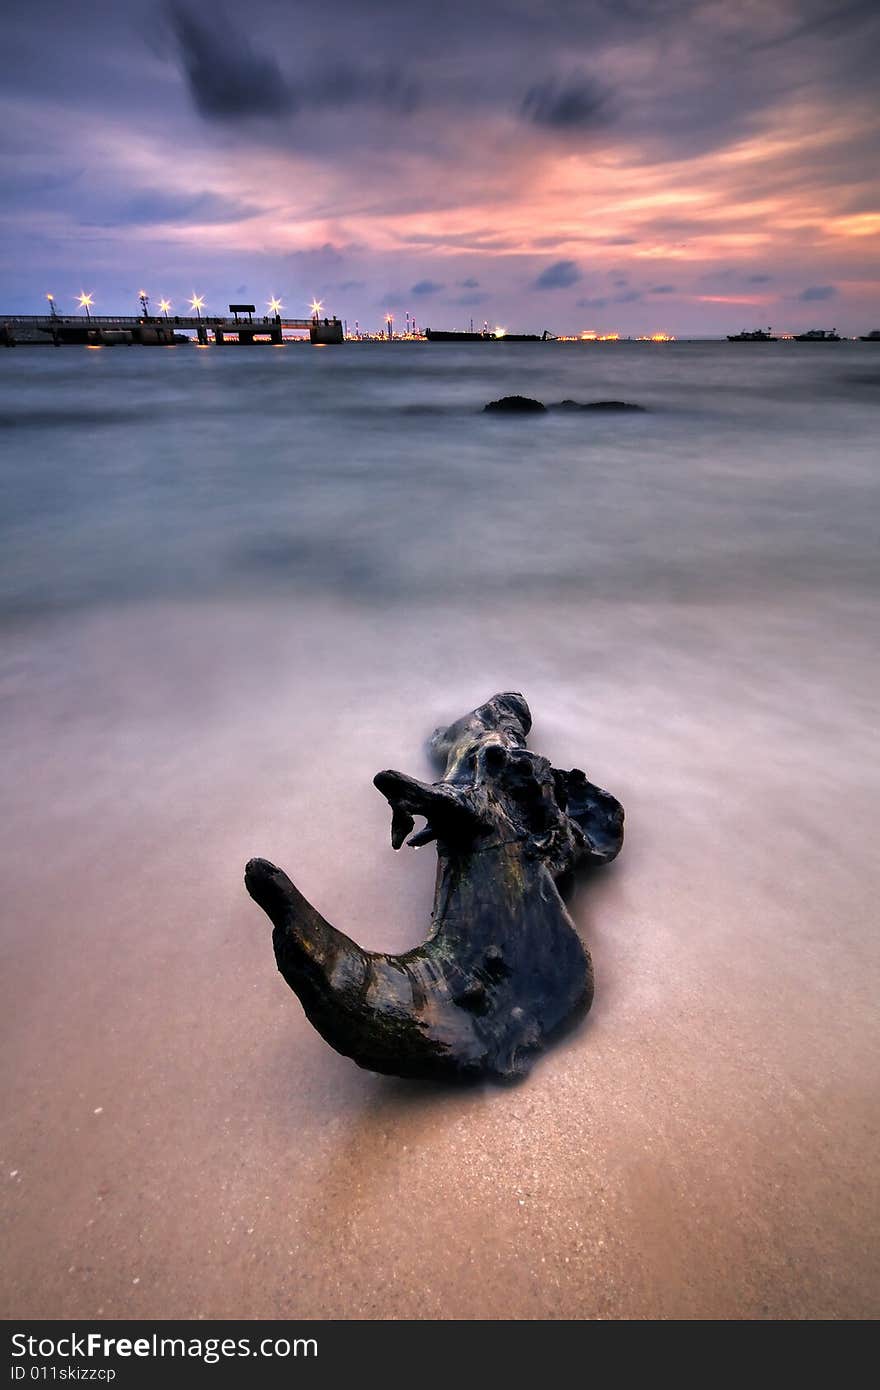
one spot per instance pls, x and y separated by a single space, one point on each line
239 326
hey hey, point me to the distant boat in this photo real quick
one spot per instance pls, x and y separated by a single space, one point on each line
818 335
756 336
436 335
544 337
872 337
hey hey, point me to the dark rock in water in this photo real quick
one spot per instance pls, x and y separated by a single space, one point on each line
516 405
504 968
597 405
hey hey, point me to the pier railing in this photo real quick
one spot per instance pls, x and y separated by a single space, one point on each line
122 321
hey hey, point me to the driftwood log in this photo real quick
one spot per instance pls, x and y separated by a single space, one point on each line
503 969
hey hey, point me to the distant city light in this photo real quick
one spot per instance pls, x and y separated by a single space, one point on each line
500 332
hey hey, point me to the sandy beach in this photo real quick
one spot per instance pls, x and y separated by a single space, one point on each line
178 1142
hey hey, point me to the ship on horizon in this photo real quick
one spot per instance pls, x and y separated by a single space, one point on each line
757 335
818 335
436 335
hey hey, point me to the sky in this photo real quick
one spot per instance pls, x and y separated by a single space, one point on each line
631 166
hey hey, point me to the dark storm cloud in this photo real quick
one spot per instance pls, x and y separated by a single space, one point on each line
558 276
227 78
814 292
577 103
426 287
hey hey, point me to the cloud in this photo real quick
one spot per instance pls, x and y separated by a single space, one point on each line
831 21
814 292
426 287
558 276
576 103
153 207
625 297
718 161
662 289
347 85
227 79
230 81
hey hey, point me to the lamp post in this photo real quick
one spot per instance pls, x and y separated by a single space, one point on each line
316 306
275 307
145 303
52 310
165 305
85 302
198 303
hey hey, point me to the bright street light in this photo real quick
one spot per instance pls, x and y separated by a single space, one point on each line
85 302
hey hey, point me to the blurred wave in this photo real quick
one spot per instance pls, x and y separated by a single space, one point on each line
370 473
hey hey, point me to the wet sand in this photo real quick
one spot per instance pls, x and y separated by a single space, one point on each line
178 1142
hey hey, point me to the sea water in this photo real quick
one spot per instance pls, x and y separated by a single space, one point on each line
369 474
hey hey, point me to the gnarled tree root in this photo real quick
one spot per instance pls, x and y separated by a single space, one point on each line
503 968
